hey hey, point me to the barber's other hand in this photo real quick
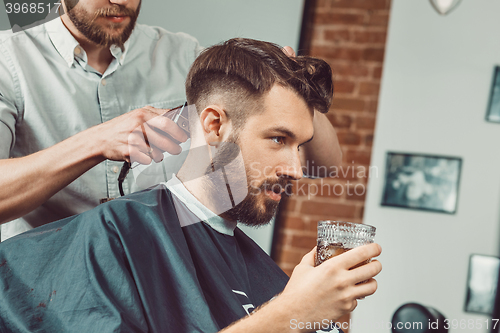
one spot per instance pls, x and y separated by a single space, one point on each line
330 290
124 138
288 50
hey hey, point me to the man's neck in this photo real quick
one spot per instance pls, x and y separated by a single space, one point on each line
99 57
205 187
218 190
192 174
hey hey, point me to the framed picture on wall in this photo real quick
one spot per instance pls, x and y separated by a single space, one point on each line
423 182
482 283
493 113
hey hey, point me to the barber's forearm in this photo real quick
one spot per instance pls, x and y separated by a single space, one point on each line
27 182
323 152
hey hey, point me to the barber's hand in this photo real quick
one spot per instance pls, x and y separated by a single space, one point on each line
330 290
140 136
288 50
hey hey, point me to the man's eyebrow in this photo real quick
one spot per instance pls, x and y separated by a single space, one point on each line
285 132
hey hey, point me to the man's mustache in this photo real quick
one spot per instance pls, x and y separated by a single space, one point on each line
115 10
277 186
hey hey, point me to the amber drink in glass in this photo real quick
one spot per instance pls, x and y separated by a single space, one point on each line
336 237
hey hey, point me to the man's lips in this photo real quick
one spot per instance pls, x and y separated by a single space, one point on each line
273 195
276 190
116 19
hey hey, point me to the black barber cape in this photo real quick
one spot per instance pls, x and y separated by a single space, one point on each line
128 266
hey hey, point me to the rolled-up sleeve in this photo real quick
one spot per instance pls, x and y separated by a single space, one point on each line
8 107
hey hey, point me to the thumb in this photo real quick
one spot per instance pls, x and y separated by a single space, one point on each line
308 258
156 111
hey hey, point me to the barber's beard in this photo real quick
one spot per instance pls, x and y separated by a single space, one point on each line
256 209
85 22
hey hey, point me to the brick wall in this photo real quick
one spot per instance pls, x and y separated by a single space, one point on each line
350 35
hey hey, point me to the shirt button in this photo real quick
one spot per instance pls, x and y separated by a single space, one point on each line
103 81
78 50
116 169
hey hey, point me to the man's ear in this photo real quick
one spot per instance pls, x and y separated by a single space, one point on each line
215 124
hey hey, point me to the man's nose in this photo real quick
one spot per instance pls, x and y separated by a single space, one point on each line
291 168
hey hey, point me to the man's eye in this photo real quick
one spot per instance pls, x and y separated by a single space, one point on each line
278 139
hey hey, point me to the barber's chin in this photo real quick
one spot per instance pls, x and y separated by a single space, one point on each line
272 195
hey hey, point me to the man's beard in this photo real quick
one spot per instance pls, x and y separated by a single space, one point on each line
249 211
85 23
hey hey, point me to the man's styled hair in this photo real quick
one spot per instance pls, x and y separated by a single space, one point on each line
240 71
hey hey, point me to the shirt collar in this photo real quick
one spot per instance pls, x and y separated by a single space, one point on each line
196 207
62 40
68 47
117 52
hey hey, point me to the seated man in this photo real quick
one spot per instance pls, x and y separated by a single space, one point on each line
170 258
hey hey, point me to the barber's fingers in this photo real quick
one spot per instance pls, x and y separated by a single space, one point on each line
146 144
139 155
144 155
138 150
160 140
142 151
288 50
164 124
